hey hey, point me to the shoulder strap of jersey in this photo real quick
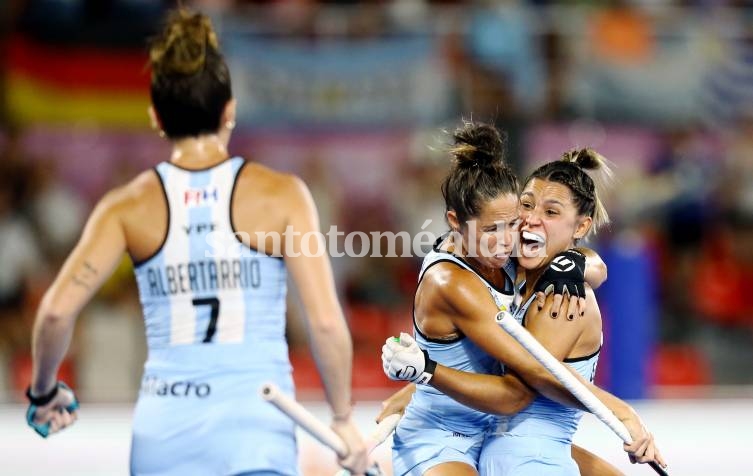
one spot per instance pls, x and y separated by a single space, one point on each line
437 255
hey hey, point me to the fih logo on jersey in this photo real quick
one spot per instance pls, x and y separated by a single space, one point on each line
201 197
562 264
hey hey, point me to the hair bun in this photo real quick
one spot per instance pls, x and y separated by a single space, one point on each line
183 45
586 159
478 144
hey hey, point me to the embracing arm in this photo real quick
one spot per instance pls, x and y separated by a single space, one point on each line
95 257
596 270
486 392
473 311
492 393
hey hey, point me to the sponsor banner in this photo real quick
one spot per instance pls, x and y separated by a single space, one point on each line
385 81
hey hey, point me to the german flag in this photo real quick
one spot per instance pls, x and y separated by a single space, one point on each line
76 85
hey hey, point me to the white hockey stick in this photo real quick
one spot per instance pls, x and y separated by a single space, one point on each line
567 379
303 418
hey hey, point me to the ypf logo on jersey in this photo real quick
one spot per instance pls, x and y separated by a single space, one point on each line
201 197
563 264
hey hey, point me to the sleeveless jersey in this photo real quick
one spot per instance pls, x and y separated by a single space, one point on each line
436 429
544 417
214 312
460 353
209 300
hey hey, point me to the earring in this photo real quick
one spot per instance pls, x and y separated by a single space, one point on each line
229 125
161 133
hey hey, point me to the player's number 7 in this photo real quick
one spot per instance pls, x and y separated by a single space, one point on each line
214 314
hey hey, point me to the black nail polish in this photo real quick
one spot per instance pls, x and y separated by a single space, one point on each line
554 314
570 317
582 313
540 308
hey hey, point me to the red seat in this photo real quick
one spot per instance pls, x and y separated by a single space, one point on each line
680 365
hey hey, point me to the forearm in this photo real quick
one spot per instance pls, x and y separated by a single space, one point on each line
596 270
50 340
621 410
496 394
332 349
402 397
547 385
550 387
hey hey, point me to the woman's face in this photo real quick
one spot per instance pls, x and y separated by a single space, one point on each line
490 237
550 222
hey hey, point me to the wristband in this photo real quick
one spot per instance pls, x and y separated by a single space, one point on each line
42 400
429 368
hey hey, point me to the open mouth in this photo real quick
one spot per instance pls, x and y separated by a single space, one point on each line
504 256
531 243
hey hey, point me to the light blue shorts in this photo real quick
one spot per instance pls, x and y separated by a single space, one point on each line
507 455
419 445
210 423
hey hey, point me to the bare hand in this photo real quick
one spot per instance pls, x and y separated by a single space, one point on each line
357 459
396 403
643 449
561 305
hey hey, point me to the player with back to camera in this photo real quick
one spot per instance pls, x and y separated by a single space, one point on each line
559 207
215 322
458 294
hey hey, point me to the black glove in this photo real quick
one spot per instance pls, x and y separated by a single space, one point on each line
565 273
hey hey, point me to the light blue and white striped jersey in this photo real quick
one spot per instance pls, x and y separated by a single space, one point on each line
460 353
546 418
209 300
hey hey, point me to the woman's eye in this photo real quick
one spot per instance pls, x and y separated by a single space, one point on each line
551 212
526 206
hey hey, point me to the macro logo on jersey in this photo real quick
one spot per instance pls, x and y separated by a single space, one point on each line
201 197
153 385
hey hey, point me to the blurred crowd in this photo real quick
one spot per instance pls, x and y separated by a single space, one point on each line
669 86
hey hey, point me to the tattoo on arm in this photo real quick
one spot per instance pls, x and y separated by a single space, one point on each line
90 268
83 277
81 283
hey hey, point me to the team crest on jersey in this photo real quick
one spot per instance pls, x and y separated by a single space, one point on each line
198 197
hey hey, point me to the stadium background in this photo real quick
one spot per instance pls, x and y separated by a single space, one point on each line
353 96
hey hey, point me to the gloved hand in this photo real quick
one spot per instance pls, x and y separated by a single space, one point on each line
403 359
565 275
48 414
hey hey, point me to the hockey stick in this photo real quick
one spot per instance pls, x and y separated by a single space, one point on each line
303 418
558 369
